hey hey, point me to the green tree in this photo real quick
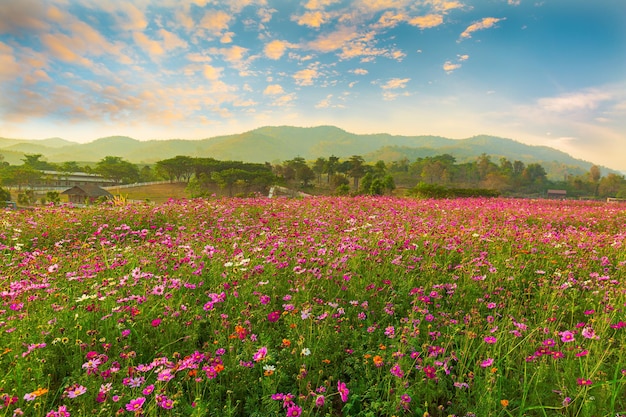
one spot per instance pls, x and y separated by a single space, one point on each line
117 170
357 169
319 167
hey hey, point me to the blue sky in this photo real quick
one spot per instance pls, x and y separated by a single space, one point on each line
549 72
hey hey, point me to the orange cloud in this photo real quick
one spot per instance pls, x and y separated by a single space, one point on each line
171 40
153 48
273 89
485 23
276 48
428 21
215 21
306 76
312 19
333 41
211 73
9 68
449 66
62 47
395 83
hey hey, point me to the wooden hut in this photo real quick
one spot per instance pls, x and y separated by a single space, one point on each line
83 194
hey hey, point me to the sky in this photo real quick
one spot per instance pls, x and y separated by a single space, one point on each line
542 72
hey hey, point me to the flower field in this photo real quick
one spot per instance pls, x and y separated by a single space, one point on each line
314 307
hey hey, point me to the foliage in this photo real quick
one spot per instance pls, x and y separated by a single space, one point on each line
425 190
5 195
117 169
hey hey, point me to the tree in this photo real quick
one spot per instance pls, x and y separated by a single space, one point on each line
357 169
319 168
33 161
70 166
117 170
331 166
179 168
612 185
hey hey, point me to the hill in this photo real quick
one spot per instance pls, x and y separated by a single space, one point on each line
280 143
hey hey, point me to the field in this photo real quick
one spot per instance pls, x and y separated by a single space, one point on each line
314 307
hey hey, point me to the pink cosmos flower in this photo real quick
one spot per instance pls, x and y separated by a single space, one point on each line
136 404
566 336
273 316
75 391
294 411
486 363
343 391
260 354
320 400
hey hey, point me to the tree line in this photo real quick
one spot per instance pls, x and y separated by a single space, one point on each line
329 175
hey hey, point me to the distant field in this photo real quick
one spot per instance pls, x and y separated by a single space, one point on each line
157 193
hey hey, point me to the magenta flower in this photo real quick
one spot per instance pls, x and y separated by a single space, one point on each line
136 404
155 322
487 363
490 340
273 316
294 411
260 354
430 371
320 400
75 391
396 370
343 391
566 336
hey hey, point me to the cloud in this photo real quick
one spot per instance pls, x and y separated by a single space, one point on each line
319 4
9 68
334 40
444 5
276 48
449 66
171 40
215 21
485 23
360 71
306 76
132 19
426 22
210 72
23 15
572 102
151 47
515 2
312 19
273 89
65 48
395 83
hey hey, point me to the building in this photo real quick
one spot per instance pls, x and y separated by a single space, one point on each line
86 194
557 194
57 180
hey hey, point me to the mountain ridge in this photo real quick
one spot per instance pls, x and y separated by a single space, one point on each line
280 143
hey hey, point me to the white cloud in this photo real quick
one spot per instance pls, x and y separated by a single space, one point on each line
586 100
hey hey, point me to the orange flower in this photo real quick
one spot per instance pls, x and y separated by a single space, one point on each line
378 360
39 392
286 343
504 403
219 368
326 361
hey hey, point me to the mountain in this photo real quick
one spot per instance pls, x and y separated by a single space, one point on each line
280 143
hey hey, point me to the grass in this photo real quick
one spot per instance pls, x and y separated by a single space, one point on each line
314 307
